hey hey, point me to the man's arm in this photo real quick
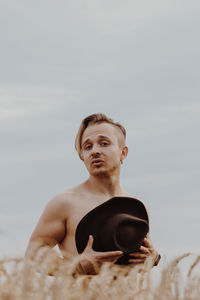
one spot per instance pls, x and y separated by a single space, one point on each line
51 227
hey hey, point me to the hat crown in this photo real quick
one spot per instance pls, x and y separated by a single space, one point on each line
123 231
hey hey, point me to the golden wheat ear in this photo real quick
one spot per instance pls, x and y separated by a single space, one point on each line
20 279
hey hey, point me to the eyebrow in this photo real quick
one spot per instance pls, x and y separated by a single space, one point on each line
100 136
86 141
104 137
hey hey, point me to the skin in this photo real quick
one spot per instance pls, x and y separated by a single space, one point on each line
103 151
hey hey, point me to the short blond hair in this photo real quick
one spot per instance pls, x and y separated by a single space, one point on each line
93 119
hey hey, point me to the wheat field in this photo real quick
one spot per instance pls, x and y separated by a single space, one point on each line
29 279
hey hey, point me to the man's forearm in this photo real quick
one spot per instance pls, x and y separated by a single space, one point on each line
39 253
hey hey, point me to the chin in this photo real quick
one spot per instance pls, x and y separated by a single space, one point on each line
98 171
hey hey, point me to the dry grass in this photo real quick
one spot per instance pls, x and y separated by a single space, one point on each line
29 280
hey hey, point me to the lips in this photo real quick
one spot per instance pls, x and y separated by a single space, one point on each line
97 162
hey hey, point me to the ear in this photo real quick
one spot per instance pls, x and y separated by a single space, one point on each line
124 153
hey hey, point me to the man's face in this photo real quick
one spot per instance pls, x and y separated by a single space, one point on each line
102 149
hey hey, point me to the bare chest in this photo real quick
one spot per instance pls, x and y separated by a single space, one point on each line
78 210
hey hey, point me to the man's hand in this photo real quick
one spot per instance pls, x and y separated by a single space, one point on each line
146 250
97 258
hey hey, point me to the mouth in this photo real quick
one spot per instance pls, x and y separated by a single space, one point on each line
97 162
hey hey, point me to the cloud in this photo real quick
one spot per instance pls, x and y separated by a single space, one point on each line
136 61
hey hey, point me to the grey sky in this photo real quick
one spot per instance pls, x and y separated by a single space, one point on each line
138 62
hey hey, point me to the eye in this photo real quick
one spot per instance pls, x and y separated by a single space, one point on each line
104 144
88 147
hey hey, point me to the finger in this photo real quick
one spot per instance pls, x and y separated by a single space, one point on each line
136 261
115 260
90 242
110 259
139 255
109 255
144 249
147 243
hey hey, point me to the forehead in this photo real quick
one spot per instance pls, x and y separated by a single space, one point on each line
102 129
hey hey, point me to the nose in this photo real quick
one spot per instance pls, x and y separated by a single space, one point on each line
95 150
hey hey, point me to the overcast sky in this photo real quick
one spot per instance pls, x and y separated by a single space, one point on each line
136 61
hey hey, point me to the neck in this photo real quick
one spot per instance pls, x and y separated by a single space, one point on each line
107 186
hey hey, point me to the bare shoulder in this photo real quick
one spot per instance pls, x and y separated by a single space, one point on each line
57 203
62 202
65 199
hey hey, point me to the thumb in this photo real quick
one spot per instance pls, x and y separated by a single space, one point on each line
90 242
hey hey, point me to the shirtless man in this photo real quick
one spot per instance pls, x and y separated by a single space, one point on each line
100 143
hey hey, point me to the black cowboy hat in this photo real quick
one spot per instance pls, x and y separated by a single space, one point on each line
120 223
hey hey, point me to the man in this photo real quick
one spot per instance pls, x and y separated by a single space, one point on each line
100 143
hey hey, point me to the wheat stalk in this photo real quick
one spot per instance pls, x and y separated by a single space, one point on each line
29 279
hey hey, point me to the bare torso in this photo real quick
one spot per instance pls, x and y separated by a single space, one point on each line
78 203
